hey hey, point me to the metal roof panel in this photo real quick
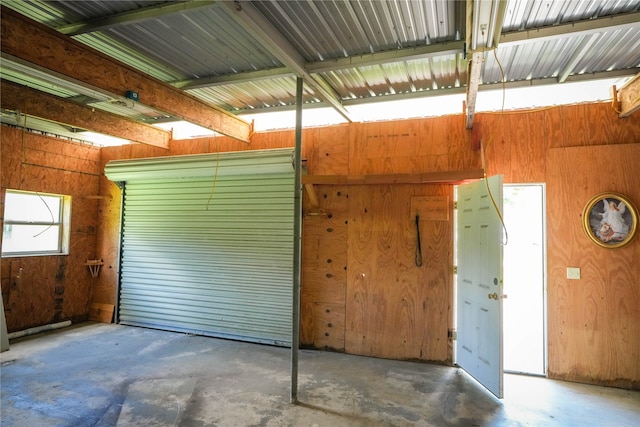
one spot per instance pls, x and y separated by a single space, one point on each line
525 14
208 42
598 52
333 29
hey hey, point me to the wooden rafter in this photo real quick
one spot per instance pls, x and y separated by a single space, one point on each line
629 97
473 82
59 53
50 107
484 20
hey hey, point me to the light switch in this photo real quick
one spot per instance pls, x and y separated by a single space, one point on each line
573 273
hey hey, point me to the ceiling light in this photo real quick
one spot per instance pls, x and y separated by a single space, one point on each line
484 23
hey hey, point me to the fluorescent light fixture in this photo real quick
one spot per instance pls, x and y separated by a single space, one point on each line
16 118
484 23
53 78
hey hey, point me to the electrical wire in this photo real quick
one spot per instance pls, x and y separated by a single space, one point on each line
53 221
24 130
482 155
215 177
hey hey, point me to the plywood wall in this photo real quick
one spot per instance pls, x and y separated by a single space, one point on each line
396 309
401 311
324 269
579 151
359 270
51 288
594 335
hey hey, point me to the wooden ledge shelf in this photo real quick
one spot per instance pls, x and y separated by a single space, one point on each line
451 177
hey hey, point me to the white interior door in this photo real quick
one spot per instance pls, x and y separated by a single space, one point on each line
479 283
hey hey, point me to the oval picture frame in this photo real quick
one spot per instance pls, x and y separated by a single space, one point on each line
610 220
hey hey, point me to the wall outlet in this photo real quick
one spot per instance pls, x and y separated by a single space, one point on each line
573 273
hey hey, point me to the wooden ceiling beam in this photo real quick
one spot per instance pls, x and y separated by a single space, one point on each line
629 97
473 83
61 54
33 102
484 19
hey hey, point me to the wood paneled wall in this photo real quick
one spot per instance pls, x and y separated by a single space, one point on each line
580 151
361 290
51 288
594 332
397 309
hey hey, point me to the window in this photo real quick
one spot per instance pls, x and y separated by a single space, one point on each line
35 224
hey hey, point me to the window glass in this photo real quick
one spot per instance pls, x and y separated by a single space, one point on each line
32 207
34 224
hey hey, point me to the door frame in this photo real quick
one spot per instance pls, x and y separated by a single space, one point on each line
545 322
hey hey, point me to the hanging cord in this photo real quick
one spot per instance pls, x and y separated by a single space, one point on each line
482 154
24 130
418 247
53 221
215 178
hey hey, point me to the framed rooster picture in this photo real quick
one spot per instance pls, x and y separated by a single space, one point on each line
610 220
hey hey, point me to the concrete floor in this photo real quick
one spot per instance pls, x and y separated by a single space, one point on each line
108 375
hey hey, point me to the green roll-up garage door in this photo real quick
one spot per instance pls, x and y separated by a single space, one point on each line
207 244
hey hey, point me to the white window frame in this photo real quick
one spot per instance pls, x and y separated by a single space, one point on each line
61 219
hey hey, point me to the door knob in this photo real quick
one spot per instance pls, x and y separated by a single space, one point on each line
493 296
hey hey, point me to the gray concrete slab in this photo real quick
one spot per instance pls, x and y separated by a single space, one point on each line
112 375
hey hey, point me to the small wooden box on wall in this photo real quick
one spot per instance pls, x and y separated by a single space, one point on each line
430 208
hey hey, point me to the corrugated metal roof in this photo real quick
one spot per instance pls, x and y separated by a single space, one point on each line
527 14
124 52
206 41
332 29
253 95
617 49
196 43
57 13
399 77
